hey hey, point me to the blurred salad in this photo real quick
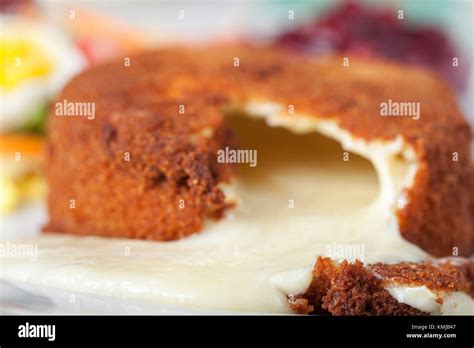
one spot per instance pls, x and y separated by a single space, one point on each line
357 29
38 56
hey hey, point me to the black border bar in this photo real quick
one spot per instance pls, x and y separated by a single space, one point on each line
242 329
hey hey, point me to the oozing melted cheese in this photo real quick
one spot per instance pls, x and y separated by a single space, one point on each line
300 201
454 303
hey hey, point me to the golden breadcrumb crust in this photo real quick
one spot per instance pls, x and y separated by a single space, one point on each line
353 289
172 154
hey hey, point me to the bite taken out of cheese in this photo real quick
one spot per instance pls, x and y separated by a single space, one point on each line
307 196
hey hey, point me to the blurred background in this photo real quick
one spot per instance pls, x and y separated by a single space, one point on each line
43 44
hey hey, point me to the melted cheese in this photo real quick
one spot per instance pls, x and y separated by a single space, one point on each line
302 200
420 297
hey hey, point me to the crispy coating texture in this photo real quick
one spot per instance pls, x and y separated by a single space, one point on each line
442 276
353 289
173 154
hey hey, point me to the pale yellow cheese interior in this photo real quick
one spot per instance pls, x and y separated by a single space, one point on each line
300 201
